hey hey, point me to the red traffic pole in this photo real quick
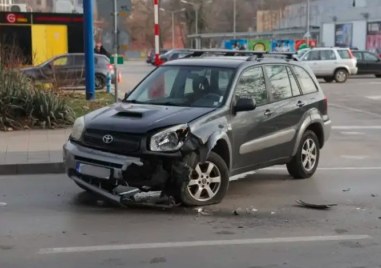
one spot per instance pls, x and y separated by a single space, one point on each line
157 31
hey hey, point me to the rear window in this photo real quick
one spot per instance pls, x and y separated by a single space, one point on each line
305 80
344 54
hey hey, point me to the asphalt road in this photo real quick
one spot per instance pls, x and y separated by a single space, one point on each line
46 221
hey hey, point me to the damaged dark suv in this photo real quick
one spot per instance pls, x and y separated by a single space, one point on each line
192 124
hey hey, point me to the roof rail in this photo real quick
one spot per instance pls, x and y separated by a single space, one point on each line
252 55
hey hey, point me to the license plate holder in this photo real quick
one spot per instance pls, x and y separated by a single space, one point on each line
93 171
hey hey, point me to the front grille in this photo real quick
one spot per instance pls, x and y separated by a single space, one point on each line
123 143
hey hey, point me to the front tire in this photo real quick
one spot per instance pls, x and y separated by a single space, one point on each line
208 182
341 75
378 75
304 164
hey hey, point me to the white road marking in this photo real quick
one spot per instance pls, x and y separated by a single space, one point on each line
355 157
374 97
330 168
354 133
373 127
334 105
3 204
187 244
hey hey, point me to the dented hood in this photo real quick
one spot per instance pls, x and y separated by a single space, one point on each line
138 118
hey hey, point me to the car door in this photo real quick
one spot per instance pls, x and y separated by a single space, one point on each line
361 65
251 129
78 70
287 107
372 63
328 62
62 70
312 58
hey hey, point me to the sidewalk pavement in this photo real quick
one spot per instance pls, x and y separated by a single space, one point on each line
32 151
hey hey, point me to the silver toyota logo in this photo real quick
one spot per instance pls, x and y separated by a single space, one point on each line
108 139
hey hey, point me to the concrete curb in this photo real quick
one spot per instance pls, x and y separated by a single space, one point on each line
32 168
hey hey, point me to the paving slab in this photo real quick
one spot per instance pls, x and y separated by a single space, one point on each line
32 151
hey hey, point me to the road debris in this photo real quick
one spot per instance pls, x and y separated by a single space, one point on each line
314 206
237 211
202 212
373 195
346 190
272 212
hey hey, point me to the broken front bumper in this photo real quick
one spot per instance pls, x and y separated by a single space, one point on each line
74 155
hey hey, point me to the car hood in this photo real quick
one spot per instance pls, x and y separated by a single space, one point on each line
140 119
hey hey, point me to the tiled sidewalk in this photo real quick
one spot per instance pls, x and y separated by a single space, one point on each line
32 146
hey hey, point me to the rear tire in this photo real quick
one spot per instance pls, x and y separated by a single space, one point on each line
378 75
100 82
329 79
341 75
208 182
303 165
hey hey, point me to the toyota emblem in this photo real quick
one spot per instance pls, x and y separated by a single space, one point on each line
108 139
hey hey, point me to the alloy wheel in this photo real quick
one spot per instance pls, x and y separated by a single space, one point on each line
309 154
205 181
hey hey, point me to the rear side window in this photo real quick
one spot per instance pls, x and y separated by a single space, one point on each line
294 84
305 80
344 54
280 87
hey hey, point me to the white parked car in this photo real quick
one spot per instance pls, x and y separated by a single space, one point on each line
331 63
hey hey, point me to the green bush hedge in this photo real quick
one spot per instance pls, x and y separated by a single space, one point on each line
24 104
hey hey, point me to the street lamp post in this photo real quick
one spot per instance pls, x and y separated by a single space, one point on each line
196 7
234 17
308 34
173 12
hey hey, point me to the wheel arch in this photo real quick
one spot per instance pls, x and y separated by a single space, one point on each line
314 122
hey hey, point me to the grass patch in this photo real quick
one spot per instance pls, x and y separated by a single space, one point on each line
80 106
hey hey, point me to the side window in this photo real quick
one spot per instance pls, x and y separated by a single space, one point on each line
252 84
358 55
370 57
305 80
61 61
312 55
344 54
327 55
280 87
294 84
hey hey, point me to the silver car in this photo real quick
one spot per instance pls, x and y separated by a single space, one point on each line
331 63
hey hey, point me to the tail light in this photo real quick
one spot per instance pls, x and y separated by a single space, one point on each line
325 105
110 67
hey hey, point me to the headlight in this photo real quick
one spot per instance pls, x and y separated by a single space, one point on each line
170 139
78 127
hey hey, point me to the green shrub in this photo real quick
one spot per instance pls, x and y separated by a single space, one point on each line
22 103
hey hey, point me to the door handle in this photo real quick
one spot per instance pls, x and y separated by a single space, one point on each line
268 113
300 104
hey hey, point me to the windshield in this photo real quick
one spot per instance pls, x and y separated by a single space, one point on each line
189 86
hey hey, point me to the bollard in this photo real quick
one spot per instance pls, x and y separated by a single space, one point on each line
108 82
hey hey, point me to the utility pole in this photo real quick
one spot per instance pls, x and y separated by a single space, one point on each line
89 49
308 23
116 48
234 17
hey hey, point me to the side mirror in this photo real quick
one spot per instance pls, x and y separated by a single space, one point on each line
244 104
